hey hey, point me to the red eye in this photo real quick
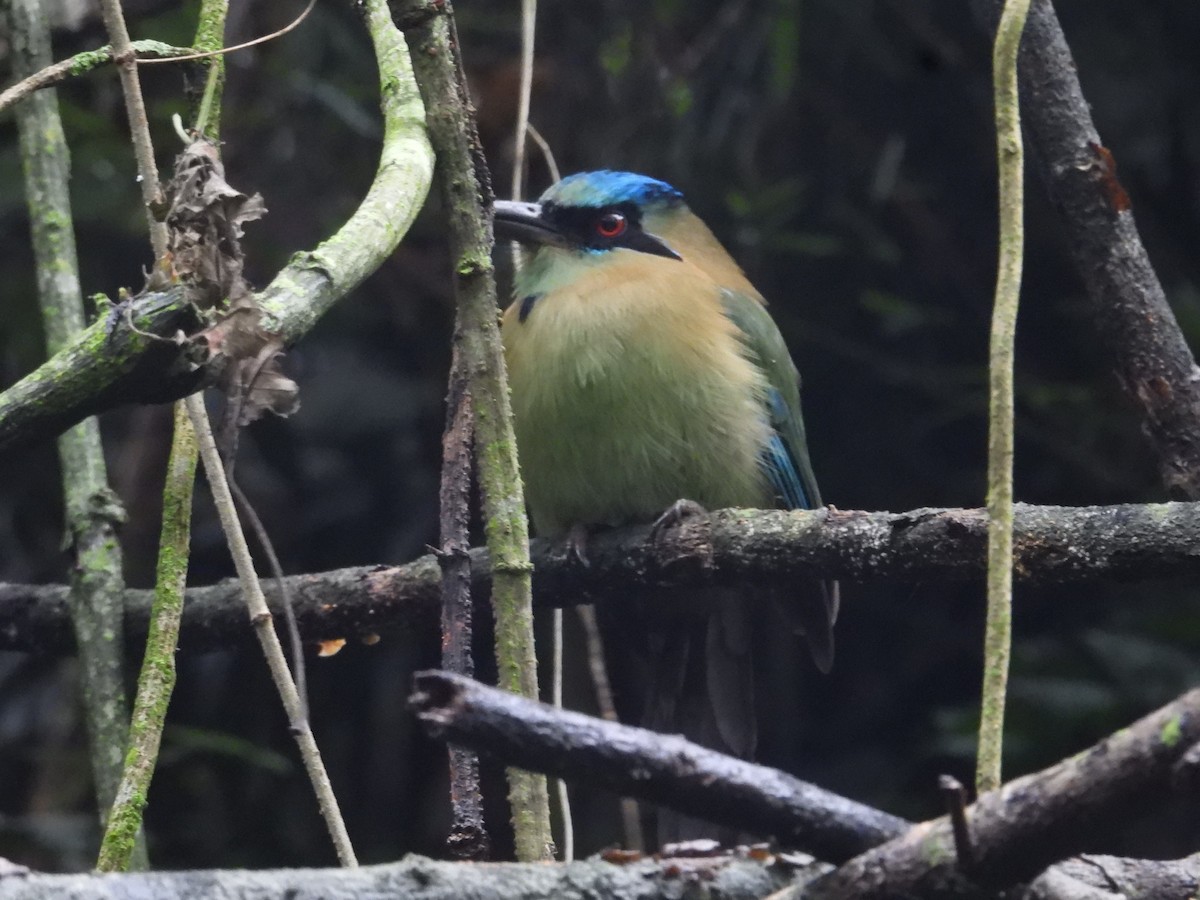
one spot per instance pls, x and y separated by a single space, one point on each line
610 225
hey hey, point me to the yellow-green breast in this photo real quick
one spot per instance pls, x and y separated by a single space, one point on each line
630 391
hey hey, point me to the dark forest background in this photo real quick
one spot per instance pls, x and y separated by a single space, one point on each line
843 151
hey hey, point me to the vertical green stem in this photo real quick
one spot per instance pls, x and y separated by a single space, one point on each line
429 28
157 678
92 510
998 636
210 35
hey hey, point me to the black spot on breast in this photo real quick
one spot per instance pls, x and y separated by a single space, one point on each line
527 306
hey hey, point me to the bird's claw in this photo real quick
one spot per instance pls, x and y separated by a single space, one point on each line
675 514
577 539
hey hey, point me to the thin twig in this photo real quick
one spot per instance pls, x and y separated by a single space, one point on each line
135 107
468 837
295 641
955 797
528 27
998 639
631 816
227 50
556 698
260 617
228 448
547 153
79 64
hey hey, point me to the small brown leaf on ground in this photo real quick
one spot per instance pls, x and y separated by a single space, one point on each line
331 647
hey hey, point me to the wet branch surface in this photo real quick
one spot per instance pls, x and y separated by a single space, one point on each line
1014 833
661 768
468 837
1054 544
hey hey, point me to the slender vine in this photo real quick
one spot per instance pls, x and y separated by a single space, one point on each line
998 636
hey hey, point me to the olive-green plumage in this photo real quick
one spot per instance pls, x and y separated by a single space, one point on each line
645 369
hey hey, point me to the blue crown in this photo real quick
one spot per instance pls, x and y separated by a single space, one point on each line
608 188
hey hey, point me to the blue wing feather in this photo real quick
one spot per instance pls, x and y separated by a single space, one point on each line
782 473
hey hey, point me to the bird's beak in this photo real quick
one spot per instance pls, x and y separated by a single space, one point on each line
645 242
516 220
519 221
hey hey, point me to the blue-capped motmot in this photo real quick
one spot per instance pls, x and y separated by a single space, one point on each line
645 369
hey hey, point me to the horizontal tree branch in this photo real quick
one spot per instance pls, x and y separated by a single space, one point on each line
638 763
1012 834
1053 544
81 63
426 879
126 355
112 364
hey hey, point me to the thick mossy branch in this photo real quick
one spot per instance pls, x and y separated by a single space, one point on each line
125 356
1053 544
111 363
93 511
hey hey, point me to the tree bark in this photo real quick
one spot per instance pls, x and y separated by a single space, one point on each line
1054 544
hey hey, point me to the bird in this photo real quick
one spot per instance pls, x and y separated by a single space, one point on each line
646 377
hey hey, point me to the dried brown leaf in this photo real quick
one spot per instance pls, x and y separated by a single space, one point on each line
205 217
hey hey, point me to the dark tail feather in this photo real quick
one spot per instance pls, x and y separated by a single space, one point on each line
702 686
814 616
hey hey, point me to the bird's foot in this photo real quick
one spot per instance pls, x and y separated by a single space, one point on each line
675 514
576 544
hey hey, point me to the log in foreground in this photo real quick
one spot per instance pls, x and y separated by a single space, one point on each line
425 879
1091 877
1053 544
1076 806
1079 805
664 769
